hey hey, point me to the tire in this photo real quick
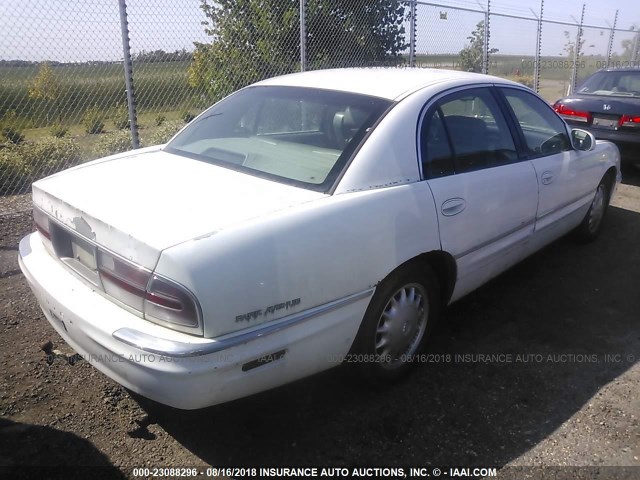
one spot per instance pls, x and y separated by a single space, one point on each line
591 224
384 349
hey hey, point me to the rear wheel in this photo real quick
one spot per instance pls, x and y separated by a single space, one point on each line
397 323
591 225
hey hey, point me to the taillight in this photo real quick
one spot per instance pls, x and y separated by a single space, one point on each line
571 114
123 280
43 226
159 299
629 121
169 302
41 221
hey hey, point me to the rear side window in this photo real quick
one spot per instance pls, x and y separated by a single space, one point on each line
544 132
437 156
469 128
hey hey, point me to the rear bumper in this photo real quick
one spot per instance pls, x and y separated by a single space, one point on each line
616 136
178 369
623 139
627 142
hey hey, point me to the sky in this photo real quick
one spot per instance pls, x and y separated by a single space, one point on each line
596 12
82 30
518 37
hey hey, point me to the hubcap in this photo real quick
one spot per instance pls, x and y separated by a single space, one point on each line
597 209
402 325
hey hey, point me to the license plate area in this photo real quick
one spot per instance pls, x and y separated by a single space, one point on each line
606 122
58 319
80 255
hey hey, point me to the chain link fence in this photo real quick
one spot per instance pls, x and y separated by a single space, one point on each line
82 79
442 34
557 60
44 103
516 63
162 47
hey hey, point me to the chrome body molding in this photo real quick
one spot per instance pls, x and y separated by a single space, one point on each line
170 348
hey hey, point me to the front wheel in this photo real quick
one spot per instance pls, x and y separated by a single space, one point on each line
591 225
397 323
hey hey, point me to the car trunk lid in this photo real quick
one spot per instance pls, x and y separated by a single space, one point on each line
140 204
605 112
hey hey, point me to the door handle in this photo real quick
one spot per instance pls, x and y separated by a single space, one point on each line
546 178
453 206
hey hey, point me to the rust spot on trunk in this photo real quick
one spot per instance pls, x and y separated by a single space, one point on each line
83 228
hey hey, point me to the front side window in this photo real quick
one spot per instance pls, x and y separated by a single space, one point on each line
300 136
544 132
469 126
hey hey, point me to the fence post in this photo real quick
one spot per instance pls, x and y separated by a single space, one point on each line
128 75
485 53
613 31
303 36
412 33
536 62
576 54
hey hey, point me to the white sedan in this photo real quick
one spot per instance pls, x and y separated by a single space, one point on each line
303 221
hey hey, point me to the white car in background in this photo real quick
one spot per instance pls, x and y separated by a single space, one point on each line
303 220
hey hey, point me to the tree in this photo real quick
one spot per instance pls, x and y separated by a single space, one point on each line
471 56
255 39
630 47
46 87
160 56
355 33
570 45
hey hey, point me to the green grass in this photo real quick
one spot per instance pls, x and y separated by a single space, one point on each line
88 142
158 86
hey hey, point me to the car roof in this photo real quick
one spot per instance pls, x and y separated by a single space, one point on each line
392 83
621 69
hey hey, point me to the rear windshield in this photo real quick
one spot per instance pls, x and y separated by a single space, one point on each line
619 83
294 135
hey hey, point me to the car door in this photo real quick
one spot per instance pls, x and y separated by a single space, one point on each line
566 177
486 197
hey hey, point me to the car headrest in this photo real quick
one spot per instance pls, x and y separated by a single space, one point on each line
354 117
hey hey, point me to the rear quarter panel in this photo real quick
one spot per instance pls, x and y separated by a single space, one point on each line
303 257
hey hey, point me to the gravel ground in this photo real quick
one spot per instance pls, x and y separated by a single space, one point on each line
566 396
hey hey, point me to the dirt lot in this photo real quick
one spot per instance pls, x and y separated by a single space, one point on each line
568 317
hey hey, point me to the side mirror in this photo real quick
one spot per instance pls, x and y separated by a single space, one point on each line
582 140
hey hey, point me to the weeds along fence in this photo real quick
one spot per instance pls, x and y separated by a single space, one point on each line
85 78
72 89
